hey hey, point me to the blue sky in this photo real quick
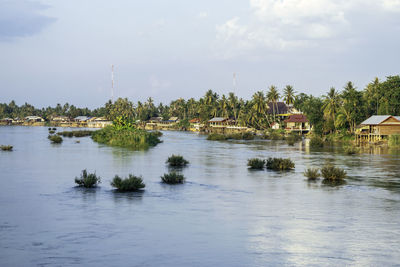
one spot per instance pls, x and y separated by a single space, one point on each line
61 51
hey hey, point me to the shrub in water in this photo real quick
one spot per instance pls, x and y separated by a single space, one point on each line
173 178
55 139
350 150
290 140
177 161
247 136
331 173
279 164
6 148
51 132
316 142
87 180
216 137
81 133
54 129
312 173
132 183
256 163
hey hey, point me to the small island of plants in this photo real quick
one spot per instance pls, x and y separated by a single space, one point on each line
55 139
279 164
129 184
176 161
88 180
173 178
6 148
256 164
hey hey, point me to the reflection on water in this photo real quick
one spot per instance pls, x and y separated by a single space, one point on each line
224 215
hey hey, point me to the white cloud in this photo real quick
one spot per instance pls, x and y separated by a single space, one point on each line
287 24
202 15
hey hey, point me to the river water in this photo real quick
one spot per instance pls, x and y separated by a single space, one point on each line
224 215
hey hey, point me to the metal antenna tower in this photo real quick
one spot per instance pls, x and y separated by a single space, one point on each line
234 82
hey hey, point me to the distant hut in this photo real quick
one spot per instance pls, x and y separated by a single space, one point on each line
378 127
297 123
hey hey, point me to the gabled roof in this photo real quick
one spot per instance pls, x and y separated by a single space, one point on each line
173 119
195 120
82 118
218 119
297 118
378 119
278 107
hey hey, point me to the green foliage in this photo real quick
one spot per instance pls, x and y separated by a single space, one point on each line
312 173
394 140
121 112
51 132
173 178
176 161
217 137
87 180
183 124
331 173
316 142
131 183
279 164
256 163
55 139
241 136
6 148
350 150
81 133
136 139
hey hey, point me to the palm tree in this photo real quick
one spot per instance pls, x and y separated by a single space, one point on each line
260 107
289 95
331 105
233 104
273 96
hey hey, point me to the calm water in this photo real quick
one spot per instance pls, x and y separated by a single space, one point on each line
225 215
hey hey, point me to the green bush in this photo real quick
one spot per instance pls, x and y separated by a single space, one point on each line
241 136
132 183
55 139
312 173
217 137
394 140
290 140
81 133
6 148
350 150
316 142
54 129
331 173
87 180
173 178
177 161
279 164
132 138
51 132
256 163
157 133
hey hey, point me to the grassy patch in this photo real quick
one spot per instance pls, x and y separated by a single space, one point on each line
173 178
176 161
55 139
332 173
131 183
350 150
132 138
87 180
217 137
6 148
80 133
279 164
312 173
256 163
316 142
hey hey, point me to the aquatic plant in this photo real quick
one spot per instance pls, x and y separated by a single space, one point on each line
217 137
316 142
173 178
157 133
290 140
6 148
87 180
256 163
54 129
350 150
51 132
312 173
332 173
55 139
80 133
279 164
132 138
131 183
177 161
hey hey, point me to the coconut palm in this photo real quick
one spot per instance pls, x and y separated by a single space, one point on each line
289 95
331 105
273 96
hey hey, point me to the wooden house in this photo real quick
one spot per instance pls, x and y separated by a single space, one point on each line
378 127
31 119
218 122
297 123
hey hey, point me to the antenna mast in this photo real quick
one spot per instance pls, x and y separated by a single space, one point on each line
234 82
112 83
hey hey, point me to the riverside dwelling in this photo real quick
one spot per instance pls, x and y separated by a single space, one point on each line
31 119
60 119
219 122
378 127
297 123
6 121
98 122
195 125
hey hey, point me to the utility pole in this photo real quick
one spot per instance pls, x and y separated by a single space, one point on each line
112 83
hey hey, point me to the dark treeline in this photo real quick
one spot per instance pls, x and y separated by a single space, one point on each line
338 110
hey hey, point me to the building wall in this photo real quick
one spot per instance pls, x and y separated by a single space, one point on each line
389 129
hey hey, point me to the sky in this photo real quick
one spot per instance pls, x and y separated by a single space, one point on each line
62 51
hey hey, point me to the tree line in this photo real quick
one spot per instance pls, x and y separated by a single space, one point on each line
337 110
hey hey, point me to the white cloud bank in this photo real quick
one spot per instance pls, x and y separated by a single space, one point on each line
278 25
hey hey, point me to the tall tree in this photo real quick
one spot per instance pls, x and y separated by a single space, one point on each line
289 95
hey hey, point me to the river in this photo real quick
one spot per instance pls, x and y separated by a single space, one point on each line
224 215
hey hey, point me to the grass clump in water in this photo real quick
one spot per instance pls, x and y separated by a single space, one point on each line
51 132
131 137
333 175
173 178
81 133
316 142
256 163
217 137
131 183
55 139
350 150
279 164
6 148
87 180
176 161
312 173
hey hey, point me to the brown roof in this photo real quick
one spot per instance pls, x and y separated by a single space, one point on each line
195 120
297 118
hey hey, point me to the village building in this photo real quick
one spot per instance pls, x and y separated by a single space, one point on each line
378 127
31 119
7 121
218 122
60 119
82 119
98 122
195 125
297 123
